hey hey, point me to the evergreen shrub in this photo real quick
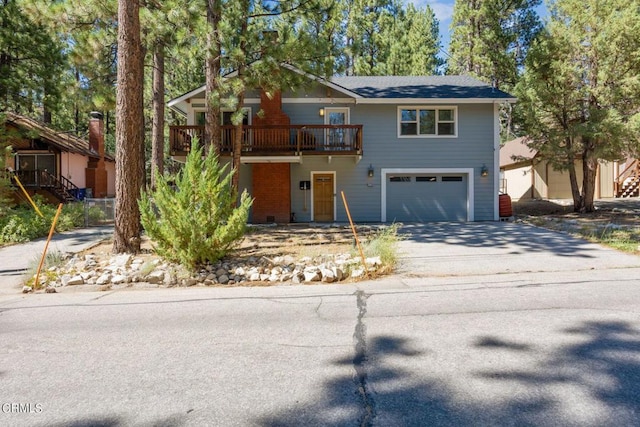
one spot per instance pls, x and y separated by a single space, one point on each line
197 220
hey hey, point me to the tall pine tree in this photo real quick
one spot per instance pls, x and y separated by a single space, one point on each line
490 39
31 62
580 93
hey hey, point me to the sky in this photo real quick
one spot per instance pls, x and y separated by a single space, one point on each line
444 11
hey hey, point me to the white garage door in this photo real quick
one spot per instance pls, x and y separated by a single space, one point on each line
426 197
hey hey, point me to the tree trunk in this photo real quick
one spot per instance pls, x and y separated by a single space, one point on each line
589 172
238 134
575 190
157 132
212 70
129 122
573 178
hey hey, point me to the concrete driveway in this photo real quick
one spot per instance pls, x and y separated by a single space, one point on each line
464 249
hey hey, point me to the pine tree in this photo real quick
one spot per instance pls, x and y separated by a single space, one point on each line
5 178
413 42
580 93
31 62
202 196
490 39
240 38
129 126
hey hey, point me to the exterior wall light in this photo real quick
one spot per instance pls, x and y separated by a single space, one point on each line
484 171
370 171
321 112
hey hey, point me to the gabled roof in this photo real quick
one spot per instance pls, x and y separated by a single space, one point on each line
61 140
426 87
516 151
393 89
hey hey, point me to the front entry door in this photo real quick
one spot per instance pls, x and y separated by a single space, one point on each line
323 197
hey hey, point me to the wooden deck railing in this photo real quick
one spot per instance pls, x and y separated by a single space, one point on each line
265 140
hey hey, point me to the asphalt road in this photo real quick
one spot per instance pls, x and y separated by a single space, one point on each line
537 350
548 347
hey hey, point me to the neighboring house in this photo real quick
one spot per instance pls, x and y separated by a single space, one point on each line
413 149
524 175
58 165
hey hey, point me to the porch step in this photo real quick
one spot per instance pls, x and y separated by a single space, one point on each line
630 188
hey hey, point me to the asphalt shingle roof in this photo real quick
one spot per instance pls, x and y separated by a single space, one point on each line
64 141
452 87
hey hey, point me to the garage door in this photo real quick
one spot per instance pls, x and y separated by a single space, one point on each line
426 197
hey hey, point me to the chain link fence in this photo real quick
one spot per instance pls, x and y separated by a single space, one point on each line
99 211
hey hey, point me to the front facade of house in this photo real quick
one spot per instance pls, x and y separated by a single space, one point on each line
58 165
404 149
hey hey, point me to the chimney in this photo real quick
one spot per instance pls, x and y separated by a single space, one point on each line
96 133
96 173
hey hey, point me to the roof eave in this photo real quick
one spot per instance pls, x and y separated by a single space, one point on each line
436 100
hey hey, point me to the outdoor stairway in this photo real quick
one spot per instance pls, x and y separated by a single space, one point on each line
628 183
63 189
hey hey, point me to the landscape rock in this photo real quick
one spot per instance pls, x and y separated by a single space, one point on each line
125 270
338 273
104 279
328 276
156 276
312 276
122 261
75 280
357 273
373 261
118 279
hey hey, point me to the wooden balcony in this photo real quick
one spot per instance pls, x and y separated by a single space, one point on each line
276 140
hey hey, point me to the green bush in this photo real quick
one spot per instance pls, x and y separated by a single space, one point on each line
383 244
197 222
22 223
96 215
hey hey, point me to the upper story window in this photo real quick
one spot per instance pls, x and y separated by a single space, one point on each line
200 117
427 122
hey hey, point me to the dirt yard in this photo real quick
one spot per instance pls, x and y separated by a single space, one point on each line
298 240
613 211
315 240
616 222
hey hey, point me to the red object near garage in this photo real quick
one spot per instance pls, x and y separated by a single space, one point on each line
504 204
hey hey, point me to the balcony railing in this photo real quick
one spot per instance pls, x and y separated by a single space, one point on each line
274 140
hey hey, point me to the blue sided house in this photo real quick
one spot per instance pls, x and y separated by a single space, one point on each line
403 149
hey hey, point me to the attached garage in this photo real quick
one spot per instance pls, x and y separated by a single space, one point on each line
412 195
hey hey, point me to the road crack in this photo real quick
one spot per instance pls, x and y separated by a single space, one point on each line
360 362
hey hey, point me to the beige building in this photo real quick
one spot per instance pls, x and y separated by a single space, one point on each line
524 175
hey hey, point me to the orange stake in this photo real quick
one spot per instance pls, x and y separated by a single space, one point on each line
46 246
355 235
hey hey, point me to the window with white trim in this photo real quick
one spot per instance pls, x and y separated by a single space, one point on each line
427 121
